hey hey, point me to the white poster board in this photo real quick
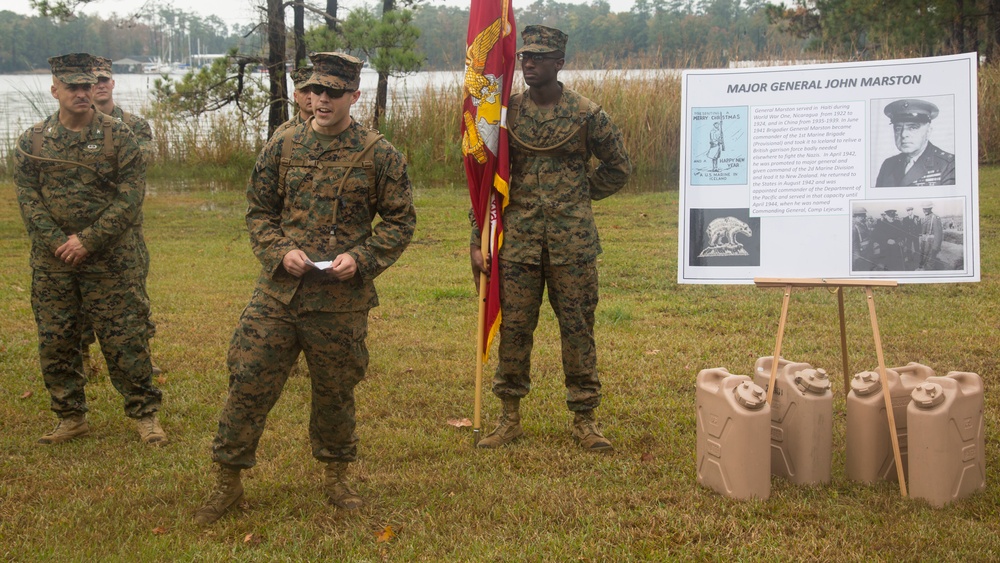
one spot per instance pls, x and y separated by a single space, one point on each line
862 170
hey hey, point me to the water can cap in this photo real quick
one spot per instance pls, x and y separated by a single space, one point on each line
750 396
814 381
928 395
866 383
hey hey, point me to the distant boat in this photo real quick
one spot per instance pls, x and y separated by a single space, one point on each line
156 68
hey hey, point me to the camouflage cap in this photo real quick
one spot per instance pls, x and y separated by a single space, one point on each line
74 68
300 75
335 70
102 67
911 111
541 39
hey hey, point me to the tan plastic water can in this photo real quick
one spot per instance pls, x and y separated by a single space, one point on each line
869 446
801 421
945 421
732 444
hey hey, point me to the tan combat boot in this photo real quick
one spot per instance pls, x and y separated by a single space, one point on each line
509 428
150 430
68 428
586 432
336 488
228 491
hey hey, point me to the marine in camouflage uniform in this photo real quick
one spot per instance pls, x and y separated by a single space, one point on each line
550 238
104 102
303 111
308 209
303 103
80 181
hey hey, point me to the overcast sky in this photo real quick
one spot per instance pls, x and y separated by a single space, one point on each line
242 11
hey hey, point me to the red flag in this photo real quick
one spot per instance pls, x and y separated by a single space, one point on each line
489 73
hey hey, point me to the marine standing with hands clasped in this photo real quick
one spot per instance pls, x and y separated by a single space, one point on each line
313 195
81 181
550 238
104 102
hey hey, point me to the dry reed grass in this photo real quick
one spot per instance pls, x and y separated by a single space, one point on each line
427 128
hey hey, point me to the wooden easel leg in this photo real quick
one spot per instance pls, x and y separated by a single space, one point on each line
885 392
843 341
777 344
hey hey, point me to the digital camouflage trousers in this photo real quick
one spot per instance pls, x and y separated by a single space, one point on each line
572 291
117 308
266 343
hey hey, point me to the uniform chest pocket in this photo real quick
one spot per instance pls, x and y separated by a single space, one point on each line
93 175
349 184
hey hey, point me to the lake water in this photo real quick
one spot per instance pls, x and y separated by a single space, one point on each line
25 98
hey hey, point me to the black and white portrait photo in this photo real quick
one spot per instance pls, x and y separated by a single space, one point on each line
914 140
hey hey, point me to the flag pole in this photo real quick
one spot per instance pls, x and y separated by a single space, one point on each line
485 239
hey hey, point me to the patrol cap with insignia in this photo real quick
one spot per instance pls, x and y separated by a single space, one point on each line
74 68
102 67
335 70
300 75
542 39
911 111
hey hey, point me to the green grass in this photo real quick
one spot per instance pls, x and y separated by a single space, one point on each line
106 497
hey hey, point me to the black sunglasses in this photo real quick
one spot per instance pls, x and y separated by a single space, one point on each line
535 57
332 93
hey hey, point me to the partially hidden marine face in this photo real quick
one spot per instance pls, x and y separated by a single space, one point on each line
103 90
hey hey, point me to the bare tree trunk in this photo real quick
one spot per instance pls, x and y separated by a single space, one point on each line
968 25
331 10
958 28
993 33
299 27
381 93
278 113
381 97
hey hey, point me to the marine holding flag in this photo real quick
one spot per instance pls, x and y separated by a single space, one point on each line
550 238
489 73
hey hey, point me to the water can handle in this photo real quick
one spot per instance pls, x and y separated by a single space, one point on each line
921 371
711 379
970 383
763 364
